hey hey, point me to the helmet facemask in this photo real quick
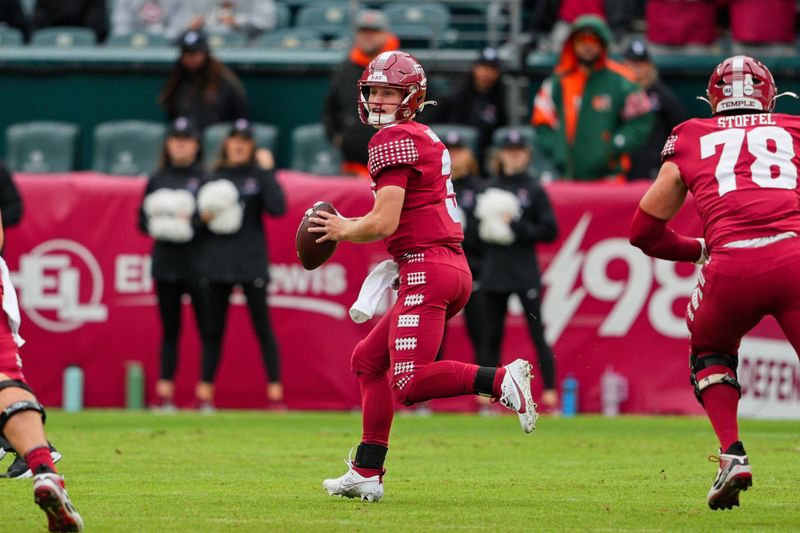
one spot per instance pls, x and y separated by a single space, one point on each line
401 113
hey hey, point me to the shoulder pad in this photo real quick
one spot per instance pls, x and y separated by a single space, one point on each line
391 147
669 149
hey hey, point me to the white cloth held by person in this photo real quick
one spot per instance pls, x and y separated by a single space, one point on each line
10 303
220 199
372 290
169 213
493 208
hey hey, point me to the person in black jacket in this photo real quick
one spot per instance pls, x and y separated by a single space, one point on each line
168 215
514 214
480 102
340 115
667 112
200 87
10 200
467 184
241 189
83 13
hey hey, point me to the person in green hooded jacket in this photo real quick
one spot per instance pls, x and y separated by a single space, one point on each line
590 113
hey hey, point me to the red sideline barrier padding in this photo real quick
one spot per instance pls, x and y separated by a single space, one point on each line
81 268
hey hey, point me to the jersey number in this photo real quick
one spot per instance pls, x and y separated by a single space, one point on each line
450 198
767 161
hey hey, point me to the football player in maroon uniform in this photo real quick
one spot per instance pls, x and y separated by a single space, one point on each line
415 215
22 416
741 165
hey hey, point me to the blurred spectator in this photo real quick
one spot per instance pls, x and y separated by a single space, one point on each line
467 184
480 102
248 16
167 214
12 15
763 27
340 116
667 112
241 188
82 13
159 17
515 214
10 200
590 112
200 87
682 26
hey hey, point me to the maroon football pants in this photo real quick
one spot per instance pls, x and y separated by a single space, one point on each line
735 290
396 359
738 288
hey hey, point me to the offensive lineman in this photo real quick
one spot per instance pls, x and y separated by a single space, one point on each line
22 417
414 213
741 165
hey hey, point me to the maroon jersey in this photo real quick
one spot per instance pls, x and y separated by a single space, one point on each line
411 156
742 171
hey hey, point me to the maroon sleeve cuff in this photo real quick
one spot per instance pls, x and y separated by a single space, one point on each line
654 238
397 176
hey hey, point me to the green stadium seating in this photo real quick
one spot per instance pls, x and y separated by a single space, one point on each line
232 39
138 40
10 37
28 7
540 165
312 152
291 39
127 147
266 136
64 37
468 134
415 35
435 16
283 16
328 19
41 147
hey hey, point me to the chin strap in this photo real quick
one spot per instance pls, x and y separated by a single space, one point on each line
426 103
786 93
706 100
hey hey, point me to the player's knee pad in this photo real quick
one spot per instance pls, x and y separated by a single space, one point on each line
699 364
19 407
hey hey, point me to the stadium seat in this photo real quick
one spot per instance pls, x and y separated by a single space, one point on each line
415 35
41 146
28 7
312 152
468 134
540 165
410 17
10 37
328 19
138 40
283 16
266 136
64 37
232 39
291 39
127 147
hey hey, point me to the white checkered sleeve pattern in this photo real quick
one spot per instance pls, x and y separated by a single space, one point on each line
669 147
392 153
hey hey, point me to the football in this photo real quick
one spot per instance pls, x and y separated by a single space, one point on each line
311 254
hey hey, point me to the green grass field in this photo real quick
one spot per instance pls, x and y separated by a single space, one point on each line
250 471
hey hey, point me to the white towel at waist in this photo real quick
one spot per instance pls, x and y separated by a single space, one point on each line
372 291
10 304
